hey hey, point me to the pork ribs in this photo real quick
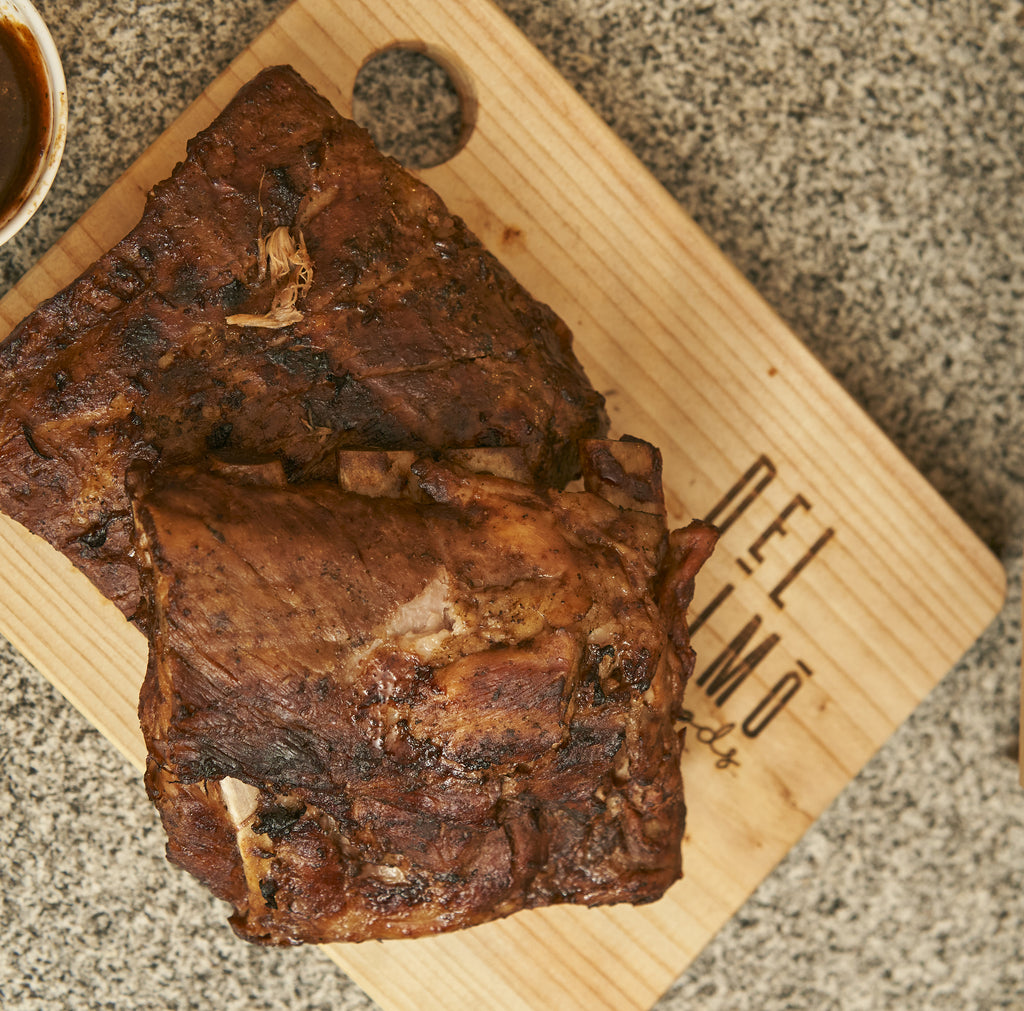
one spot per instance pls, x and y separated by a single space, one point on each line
288 291
418 698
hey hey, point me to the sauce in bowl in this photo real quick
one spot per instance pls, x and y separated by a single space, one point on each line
25 110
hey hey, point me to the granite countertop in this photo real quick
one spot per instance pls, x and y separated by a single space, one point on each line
862 165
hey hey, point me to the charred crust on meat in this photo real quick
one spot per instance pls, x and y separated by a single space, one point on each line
365 761
268 889
208 766
277 820
139 338
281 193
637 669
96 536
122 281
219 437
233 295
10 350
27 434
188 287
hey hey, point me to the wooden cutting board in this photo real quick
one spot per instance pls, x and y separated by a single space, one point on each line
843 587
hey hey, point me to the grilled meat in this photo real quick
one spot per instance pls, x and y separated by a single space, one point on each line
421 697
399 683
288 291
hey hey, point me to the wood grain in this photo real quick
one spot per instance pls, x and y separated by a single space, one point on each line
846 583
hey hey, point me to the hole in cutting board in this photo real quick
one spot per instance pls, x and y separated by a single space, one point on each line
416 104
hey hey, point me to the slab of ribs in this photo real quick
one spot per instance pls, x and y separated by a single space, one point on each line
417 627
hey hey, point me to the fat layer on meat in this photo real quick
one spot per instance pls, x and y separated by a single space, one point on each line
288 291
420 697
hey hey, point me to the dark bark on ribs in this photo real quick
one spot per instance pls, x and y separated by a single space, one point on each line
412 335
420 698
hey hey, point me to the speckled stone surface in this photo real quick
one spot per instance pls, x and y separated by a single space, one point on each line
863 165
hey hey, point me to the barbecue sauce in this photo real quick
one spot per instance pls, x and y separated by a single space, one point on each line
24 113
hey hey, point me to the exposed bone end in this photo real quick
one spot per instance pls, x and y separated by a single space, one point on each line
240 799
626 473
268 472
375 473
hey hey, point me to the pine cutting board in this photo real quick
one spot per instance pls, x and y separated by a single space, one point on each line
843 587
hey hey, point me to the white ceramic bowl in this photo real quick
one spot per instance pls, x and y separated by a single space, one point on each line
22 12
